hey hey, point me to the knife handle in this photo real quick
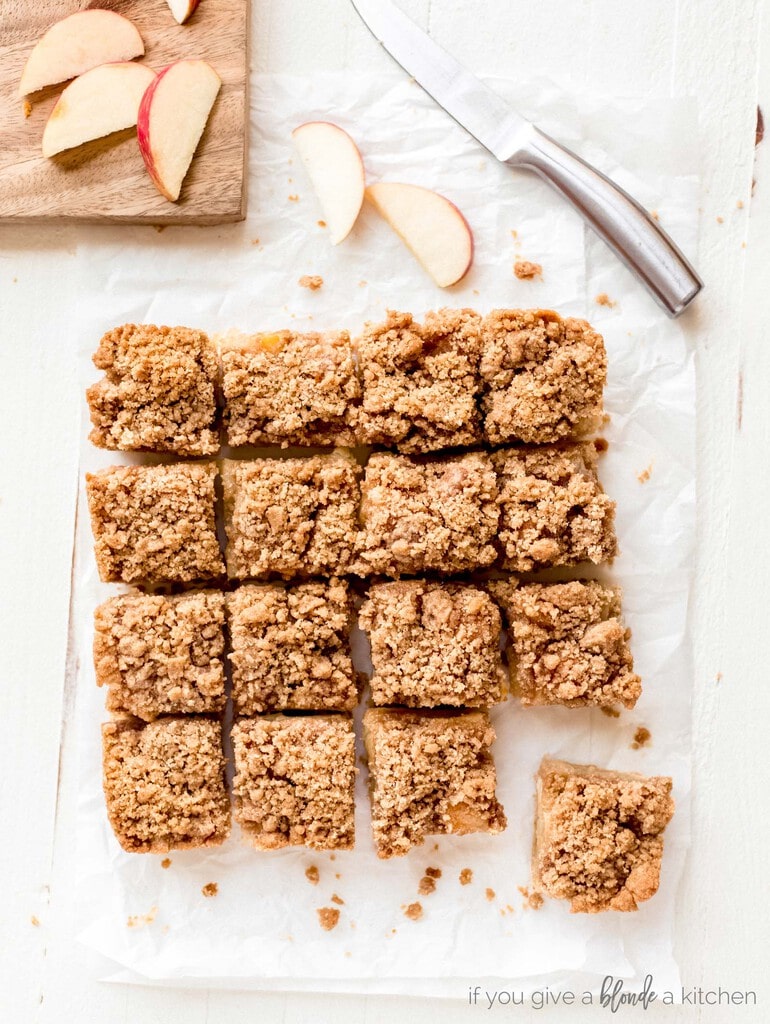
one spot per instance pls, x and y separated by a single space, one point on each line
617 218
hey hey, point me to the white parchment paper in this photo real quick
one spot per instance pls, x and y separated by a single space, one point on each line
261 930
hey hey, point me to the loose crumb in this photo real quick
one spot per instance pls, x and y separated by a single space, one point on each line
466 876
433 872
27 108
427 886
137 920
293 198
311 281
328 917
739 204
655 215
720 220
526 270
362 284
644 476
312 875
255 241
514 234
642 737
603 299
532 900
34 921
413 911
490 894
165 863
610 712
322 223
210 889
338 900
719 677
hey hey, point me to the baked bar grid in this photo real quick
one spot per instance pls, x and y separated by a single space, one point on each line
530 493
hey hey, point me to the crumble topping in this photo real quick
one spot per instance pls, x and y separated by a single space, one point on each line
328 917
526 270
599 835
433 644
158 393
311 281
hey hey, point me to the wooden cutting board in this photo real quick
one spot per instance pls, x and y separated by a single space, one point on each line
106 180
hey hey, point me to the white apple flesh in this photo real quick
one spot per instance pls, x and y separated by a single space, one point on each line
430 225
336 172
182 9
172 116
101 101
78 43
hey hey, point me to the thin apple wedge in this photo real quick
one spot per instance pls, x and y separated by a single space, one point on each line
182 9
172 116
78 43
336 172
430 225
101 101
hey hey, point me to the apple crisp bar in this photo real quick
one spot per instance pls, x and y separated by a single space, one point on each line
420 381
421 515
290 517
289 389
161 655
430 773
155 523
290 647
294 780
553 510
599 835
433 644
158 393
164 783
543 376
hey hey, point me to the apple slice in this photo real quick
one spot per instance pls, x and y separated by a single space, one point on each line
336 171
78 43
102 101
182 9
431 226
172 116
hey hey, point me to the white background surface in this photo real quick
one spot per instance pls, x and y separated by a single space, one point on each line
711 48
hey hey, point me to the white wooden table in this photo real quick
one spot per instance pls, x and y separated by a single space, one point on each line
710 48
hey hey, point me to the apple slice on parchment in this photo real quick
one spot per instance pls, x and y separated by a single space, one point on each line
431 226
78 43
101 101
182 9
172 116
336 172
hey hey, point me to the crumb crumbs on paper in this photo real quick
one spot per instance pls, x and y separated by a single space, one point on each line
514 234
138 920
739 204
34 921
603 299
466 876
311 281
655 215
427 885
413 911
321 223
337 874
328 917
293 198
433 872
720 220
642 737
27 108
532 900
645 475
338 900
490 894
610 712
362 284
332 856
526 270
719 677
255 241
166 863
210 889
312 874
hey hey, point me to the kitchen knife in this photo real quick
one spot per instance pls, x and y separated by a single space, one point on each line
622 222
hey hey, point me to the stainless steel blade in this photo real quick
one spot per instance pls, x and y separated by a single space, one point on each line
472 104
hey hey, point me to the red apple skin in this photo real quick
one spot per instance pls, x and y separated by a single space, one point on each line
143 132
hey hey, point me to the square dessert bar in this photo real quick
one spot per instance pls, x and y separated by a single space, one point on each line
290 517
155 523
433 644
568 644
161 655
553 510
430 773
420 381
289 389
543 377
294 780
158 393
291 647
164 783
421 515
599 835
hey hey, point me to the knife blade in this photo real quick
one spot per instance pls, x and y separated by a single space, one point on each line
618 218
